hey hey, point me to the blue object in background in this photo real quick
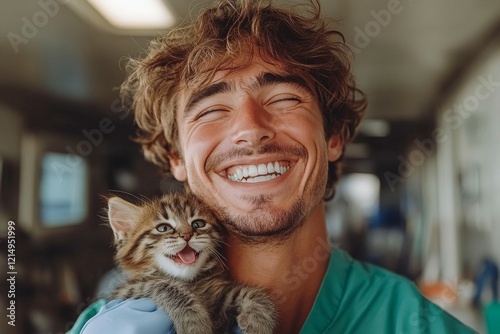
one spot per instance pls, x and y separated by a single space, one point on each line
489 273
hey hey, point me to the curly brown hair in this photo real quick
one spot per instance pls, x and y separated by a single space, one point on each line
297 39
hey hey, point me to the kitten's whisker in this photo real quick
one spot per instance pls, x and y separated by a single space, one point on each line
218 256
222 263
216 253
220 241
103 216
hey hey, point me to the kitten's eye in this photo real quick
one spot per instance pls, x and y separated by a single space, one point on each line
198 224
163 228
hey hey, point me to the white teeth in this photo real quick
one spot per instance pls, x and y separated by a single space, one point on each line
257 179
260 173
262 169
252 170
270 168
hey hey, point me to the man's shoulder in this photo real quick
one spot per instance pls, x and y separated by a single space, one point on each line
367 297
360 274
360 281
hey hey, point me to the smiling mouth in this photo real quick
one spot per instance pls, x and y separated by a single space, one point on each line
258 173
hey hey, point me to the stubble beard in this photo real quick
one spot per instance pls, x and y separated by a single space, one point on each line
260 226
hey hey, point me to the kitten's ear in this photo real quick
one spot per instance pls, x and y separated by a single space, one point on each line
122 216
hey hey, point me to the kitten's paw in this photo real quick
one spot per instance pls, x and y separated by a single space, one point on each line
256 322
194 320
256 314
252 325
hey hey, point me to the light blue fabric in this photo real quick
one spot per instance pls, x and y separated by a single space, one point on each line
132 316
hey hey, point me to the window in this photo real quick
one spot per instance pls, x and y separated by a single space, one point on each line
63 189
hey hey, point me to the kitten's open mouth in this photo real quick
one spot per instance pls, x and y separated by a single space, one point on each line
186 256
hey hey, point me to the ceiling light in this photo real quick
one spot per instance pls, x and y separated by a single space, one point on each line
135 14
375 128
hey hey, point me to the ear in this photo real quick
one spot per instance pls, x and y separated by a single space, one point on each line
122 217
177 167
335 148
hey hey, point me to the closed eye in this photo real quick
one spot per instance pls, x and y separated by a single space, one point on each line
210 114
284 101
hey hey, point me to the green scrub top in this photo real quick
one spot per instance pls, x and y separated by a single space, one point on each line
360 298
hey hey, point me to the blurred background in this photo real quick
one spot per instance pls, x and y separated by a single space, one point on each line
421 188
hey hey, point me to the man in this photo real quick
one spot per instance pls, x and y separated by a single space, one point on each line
252 106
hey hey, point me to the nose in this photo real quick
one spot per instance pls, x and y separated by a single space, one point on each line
252 125
186 236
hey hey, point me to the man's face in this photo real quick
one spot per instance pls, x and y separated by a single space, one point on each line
253 147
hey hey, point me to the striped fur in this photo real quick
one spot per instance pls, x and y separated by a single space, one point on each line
198 295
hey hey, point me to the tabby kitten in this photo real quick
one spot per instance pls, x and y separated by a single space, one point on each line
167 248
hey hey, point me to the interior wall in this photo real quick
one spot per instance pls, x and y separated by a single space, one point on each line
471 118
10 127
455 168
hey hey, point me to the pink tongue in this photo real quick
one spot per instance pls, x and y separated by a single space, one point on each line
187 255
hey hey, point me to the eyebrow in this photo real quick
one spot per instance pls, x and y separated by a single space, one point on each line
262 80
198 96
269 79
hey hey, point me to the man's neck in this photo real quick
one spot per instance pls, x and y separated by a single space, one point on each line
291 271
